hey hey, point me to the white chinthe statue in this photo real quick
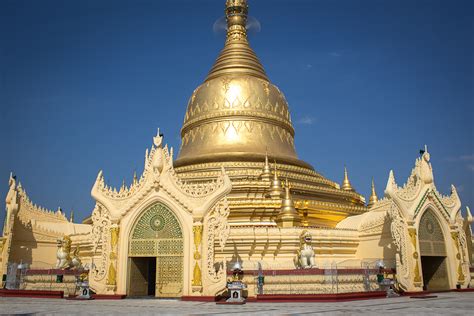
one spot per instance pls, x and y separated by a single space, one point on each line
305 258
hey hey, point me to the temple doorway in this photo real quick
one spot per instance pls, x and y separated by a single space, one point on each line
156 249
434 273
142 276
433 253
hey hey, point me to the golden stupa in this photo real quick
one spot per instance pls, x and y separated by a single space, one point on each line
239 196
238 119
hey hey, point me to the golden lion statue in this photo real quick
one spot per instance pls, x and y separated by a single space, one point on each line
66 259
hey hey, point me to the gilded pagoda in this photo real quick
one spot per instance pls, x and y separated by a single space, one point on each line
238 195
239 120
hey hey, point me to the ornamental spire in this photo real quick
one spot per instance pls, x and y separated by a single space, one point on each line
346 184
237 57
288 216
236 12
469 215
275 187
266 173
135 180
373 196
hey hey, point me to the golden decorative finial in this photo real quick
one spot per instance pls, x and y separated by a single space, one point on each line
71 217
288 216
236 13
276 188
373 196
237 57
267 172
346 184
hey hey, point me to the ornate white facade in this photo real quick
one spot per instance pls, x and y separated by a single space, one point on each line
184 228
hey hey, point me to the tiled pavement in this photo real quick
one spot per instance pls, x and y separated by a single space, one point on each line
450 303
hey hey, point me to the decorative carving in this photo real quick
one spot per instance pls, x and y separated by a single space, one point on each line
100 236
398 229
111 275
451 200
373 226
416 271
238 127
216 227
412 234
417 277
455 237
114 235
29 211
197 278
410 189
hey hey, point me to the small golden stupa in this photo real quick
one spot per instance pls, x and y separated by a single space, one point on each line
234 119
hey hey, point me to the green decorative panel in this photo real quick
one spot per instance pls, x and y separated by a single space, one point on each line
431 236
156 233
157 222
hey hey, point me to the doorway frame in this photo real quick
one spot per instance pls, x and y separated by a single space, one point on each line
127 224
448 243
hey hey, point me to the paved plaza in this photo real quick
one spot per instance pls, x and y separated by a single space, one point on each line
444 304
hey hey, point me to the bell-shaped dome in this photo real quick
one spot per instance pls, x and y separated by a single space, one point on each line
237 113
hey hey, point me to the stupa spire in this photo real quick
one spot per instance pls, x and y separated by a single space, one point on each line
237 57
346 184
266 172
288 216
275 188
373 196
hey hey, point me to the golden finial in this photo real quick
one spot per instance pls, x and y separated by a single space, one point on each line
71 217
237 57
288 216
346 184
236 14
373 196
267 172
276 188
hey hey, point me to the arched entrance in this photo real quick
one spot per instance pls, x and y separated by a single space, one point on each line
433 253
156 254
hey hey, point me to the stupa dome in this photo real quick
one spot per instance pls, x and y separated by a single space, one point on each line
239 120
237 112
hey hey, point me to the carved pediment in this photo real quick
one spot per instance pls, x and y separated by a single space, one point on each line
160 178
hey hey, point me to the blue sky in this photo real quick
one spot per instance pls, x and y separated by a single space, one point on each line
85 84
